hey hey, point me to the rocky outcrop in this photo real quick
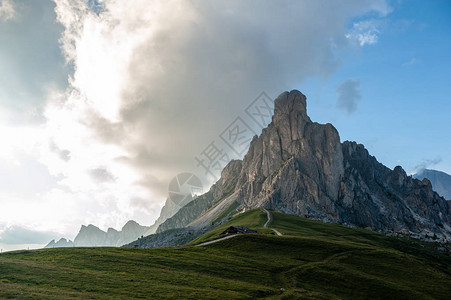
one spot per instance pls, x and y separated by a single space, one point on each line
441 182
296 165
300 167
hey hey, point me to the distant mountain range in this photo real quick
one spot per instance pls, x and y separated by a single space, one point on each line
90 236
441 182
300 167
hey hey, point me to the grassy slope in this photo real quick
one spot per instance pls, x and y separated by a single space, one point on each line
226 212
252 219
312 260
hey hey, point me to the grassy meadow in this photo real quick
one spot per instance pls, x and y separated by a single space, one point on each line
312 260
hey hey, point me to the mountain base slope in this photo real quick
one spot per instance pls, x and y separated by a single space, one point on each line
313 260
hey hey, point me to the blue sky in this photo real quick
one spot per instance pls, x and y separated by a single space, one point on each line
403 116
102 103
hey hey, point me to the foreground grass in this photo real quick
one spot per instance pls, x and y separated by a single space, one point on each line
312 260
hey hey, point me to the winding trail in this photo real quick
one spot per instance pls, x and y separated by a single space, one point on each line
215 241
269 221
268 214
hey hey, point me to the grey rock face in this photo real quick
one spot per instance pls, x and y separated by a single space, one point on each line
295 166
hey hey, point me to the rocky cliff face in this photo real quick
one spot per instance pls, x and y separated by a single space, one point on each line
441 182
300 167
295 166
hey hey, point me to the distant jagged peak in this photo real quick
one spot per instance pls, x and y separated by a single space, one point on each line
90 228
130 225
62 242
112 230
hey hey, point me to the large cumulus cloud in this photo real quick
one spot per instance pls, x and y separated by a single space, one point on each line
154 82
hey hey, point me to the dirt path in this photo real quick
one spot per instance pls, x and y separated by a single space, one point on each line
269 221
218 240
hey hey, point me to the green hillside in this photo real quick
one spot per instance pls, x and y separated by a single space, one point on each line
312 260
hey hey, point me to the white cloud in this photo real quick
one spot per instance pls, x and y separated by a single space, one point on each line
364 32
153 83
7 10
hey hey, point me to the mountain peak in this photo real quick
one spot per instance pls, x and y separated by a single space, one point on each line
130 225
291 104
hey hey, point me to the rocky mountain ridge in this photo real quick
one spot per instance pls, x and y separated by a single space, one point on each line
441 182
300 167
92 236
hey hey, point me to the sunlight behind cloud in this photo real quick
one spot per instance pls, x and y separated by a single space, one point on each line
7 10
